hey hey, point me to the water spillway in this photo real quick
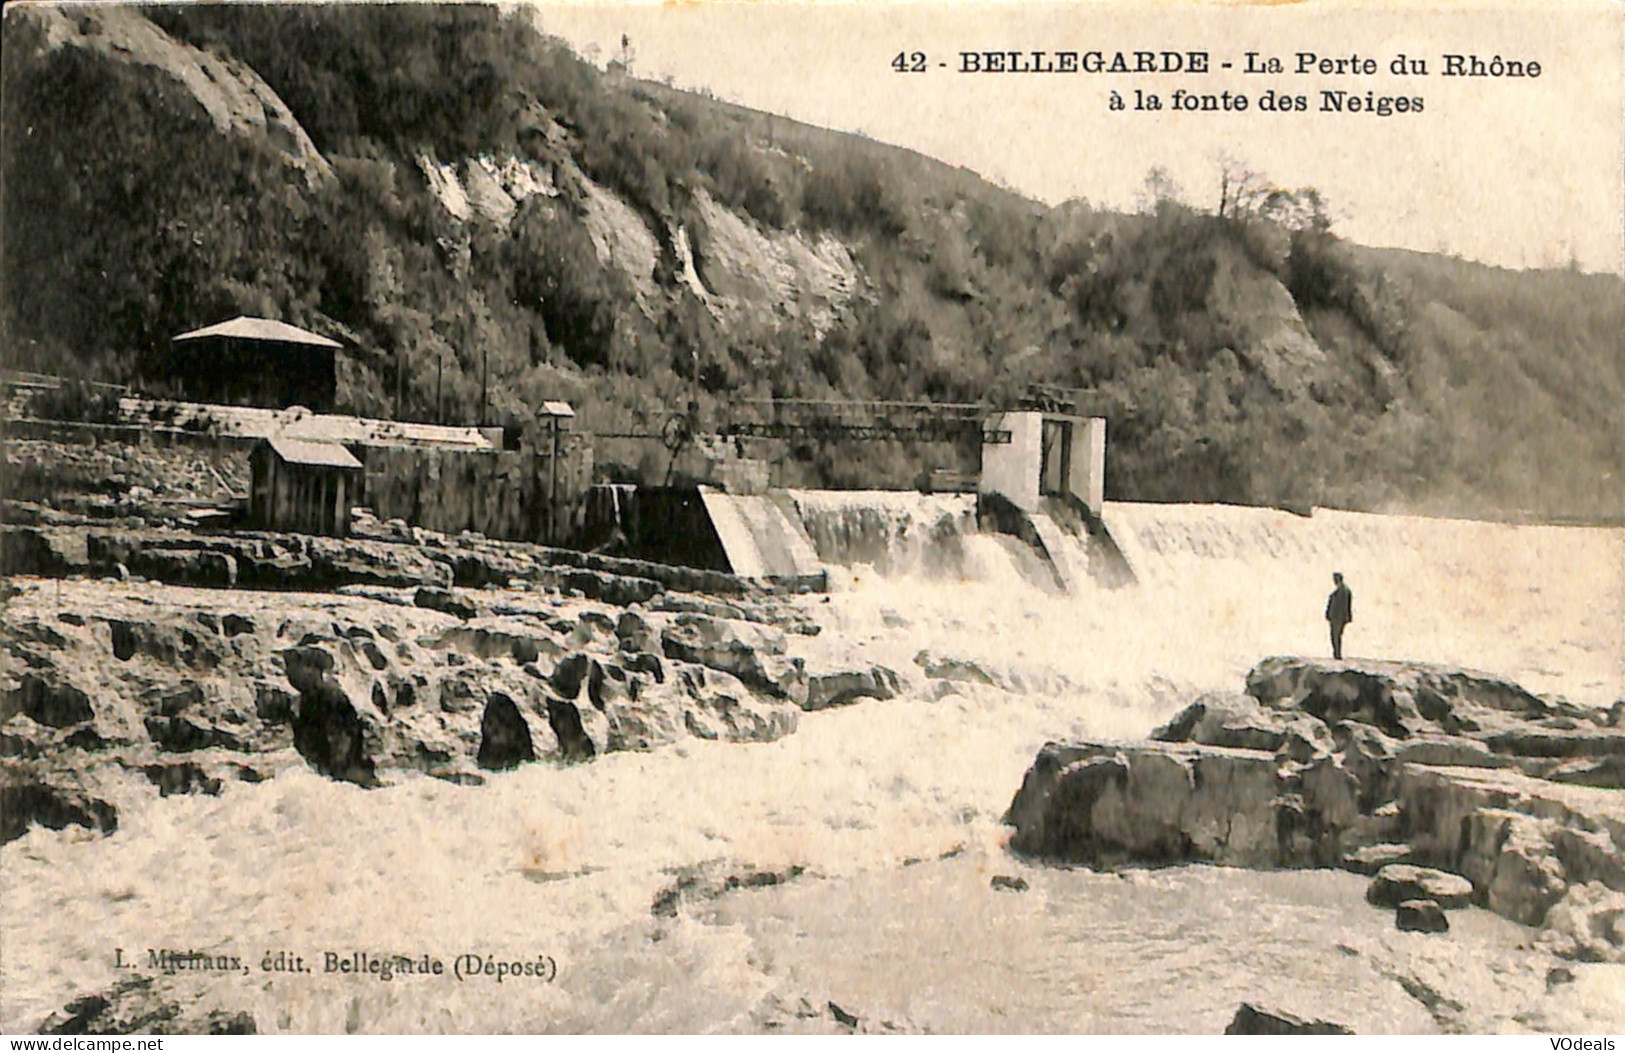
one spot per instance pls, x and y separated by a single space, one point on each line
759 537
895 532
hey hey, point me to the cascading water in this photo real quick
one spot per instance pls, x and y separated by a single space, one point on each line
610 514
898 534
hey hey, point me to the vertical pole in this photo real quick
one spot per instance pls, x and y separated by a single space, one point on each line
553 486
400 369
439 387
485 378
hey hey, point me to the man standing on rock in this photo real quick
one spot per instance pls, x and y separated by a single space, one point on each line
1339 612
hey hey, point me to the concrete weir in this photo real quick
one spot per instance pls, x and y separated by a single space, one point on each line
790 538
762 537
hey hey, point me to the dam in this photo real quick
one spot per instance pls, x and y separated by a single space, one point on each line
1041 481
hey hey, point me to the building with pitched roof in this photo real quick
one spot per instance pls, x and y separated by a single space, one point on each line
253 362
303 487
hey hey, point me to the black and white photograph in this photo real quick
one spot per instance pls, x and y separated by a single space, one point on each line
796 518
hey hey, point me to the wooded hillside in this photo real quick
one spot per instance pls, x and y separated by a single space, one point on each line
446 190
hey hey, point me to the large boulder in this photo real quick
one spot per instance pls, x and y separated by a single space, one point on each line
1156 803
1398 882
1382 767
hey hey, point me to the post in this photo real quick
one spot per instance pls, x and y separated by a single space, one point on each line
553 487
400 368
439 379
485 378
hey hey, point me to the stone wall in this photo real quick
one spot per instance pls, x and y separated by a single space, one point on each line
501 494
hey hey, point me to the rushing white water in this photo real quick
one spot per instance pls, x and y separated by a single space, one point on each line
567 860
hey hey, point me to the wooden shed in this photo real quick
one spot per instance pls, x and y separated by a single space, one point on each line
303 487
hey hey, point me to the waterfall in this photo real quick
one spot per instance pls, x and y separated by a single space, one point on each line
896 533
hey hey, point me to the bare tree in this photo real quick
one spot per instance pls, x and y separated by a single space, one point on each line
1242 191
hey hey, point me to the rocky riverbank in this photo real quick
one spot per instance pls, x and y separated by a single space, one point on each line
128 688
1372 767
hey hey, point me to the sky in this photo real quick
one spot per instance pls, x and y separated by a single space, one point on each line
1515 171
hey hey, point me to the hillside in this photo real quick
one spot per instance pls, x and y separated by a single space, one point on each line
445 188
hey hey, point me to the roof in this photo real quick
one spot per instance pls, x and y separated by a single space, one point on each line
296 423
244 328
558 409
320 454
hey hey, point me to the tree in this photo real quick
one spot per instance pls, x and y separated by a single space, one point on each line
1242 191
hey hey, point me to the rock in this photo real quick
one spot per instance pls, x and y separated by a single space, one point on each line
1220 719
336 561
1589 855
678 604
1603 772
1331 795
1398 882
956 669
184 777
48 700
504 735
1543 742
753 653
181 735
1334 692
185 566
1528 877
1374 764
1496 827
327 729
617 590
1161 802
835 689
715 878
574 742
1368 859
636 635
1420 915
1449 751
145 1005
649 663
1304 740
1436 691
31 795
1008 883
487 640
1586 925
444 601
43 552
842 1016
719 706
1253 1020
570 674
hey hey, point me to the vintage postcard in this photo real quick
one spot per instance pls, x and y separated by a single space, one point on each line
812 518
